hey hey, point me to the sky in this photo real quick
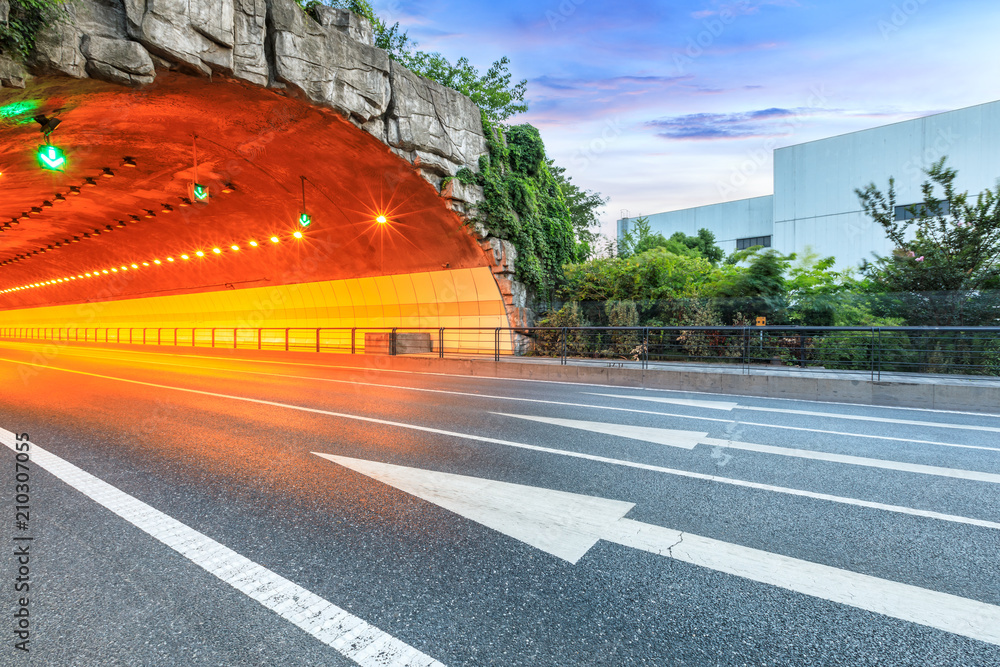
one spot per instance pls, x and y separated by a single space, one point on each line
661 106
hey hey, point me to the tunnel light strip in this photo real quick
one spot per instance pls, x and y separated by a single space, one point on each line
232 249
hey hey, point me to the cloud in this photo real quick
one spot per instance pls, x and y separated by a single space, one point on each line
741 125
741 7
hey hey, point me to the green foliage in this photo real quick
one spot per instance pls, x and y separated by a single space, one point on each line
493 91
583 206
703 243
946 266
658 281
523 204
759 290
641 238
25 20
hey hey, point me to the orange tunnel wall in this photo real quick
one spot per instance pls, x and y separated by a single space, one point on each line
458 298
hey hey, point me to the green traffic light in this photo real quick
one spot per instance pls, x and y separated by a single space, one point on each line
51 158
200 192
305 219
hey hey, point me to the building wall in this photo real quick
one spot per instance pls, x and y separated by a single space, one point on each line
815 207
814 200
729 221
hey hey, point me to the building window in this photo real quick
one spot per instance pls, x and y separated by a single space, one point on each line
911 211
743 244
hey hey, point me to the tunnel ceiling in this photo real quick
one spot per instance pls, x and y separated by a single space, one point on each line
257 141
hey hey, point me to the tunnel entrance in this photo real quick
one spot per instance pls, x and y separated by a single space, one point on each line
116 237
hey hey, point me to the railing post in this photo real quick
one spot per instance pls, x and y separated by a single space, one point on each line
317 340
234 339
354 339
260 332
746 349
564 336
879 367
441 343
645 348
144 335
286 340
392 342
213 338
496 345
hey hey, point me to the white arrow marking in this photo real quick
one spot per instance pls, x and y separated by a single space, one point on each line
565 525
552 516
659 436
549 450
690 439
690 402
918 468
720 405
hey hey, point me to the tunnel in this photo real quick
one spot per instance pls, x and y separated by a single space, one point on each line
195 205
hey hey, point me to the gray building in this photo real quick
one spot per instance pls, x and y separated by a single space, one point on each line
814 205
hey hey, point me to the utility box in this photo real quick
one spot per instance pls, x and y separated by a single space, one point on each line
398 343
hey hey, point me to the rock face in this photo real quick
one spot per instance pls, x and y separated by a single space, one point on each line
330 61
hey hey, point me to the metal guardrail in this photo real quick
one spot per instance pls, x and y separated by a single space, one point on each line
968 351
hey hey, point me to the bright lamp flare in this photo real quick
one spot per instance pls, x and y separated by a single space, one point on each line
381 220
297 235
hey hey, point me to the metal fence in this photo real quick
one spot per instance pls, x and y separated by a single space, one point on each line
971 351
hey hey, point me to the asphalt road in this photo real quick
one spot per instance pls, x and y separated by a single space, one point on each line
725 534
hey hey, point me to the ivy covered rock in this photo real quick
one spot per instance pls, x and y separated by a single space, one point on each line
522 204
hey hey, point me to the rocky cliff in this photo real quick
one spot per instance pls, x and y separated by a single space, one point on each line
331 61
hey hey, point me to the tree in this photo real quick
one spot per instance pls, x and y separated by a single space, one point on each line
583 206
492 91
704 243
947 255
757 290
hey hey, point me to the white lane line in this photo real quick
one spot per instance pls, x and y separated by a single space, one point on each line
349 635
561 452
562 403
658 436
691 439
955 473
951 613
567 525
719 405
78 352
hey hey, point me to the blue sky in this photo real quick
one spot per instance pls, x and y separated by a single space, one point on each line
667 105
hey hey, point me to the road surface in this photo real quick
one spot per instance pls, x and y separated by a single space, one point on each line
198 510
